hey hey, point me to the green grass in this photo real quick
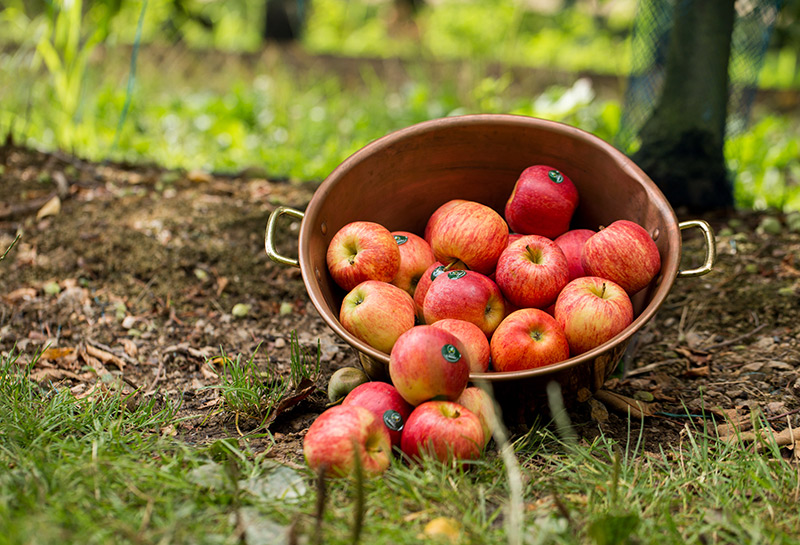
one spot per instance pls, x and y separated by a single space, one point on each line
247 390
106 470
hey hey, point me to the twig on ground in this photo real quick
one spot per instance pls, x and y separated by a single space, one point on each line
651 367
159 370
736 339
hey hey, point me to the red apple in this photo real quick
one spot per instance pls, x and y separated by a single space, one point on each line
415 257
469 235
526 339
436 215
592 310
465 295
386 404
377 313
542 202
443 430
362 250
474 340
424 283
479 402
624 253
571 243
531 272
343 434
428 363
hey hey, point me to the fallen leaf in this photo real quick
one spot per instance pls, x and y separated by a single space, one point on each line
66 353
696 372
789 436
599 411
50 208
199 176
624 405
130 347
104 356
20 294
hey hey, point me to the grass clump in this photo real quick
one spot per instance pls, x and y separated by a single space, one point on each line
247 390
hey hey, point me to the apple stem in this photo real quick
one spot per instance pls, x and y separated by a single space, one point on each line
534 255
603 291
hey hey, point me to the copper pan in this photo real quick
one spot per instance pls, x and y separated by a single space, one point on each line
400 179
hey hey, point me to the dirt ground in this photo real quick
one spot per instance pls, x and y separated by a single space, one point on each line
130 275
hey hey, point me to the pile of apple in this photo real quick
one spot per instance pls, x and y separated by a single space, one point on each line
488 299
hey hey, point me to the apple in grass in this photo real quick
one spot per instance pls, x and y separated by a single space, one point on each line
465 295
344 436
542 202
427 363
480 402
571 243
469 235
386 404
623 252
362 250
474 340
415 257
591 310
377 313
526 339
443 430
531 272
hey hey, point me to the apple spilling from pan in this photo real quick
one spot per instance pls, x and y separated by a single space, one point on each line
477 291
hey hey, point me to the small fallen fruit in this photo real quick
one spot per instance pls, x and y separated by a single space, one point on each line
343 381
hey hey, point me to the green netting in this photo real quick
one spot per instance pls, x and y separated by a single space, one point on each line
755 20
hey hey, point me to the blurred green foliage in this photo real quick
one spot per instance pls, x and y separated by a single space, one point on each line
64 82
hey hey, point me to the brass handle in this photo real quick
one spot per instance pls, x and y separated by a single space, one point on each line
269 235
711 248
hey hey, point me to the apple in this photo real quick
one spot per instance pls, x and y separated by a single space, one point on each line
526 339
436 215
474 340
415 257
480 402
343 381
424 283
428 363
531 272
571 243
511 238
443 430
592 310
624 253
465 295
386 404
343 434
362 250
542 202
469 235
377 313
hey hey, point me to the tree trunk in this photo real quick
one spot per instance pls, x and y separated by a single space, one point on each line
682 144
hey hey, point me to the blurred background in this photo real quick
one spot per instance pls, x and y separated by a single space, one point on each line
290 88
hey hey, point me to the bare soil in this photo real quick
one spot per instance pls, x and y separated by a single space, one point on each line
130 281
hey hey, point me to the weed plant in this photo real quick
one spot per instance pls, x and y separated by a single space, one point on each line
247 390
